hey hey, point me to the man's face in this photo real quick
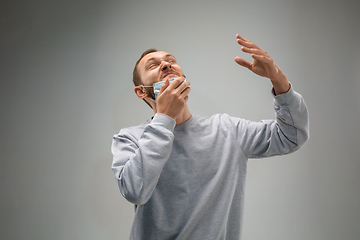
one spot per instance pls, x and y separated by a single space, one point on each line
158 66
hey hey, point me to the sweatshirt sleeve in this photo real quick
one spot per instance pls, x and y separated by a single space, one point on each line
138 163
287 133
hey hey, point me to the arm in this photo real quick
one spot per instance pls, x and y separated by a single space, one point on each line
290 129
138 163
284 135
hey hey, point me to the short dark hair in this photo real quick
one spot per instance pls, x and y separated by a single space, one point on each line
136 78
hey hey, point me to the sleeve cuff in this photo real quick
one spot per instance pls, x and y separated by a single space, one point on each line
284 98
164 121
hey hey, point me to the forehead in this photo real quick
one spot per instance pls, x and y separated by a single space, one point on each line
154 56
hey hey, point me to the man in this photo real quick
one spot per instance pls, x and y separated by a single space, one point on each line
185 173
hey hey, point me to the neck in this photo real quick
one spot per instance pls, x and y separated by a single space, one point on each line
182 117
186 115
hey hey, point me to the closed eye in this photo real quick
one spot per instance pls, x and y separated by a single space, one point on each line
153 65
171 59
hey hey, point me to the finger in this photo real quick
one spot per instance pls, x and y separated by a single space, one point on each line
261 58
185 94
174 84
254 51
243 62
179 84
164 86
186 91
186 98
240 37
183 86
247 43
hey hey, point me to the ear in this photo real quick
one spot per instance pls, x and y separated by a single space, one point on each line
140 93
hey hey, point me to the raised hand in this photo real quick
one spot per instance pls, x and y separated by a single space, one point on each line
263 65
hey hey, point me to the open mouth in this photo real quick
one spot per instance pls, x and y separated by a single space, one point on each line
170 74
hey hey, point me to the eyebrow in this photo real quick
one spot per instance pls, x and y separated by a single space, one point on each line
152 59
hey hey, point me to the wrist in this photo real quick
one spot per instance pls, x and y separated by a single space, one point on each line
281 84
164 120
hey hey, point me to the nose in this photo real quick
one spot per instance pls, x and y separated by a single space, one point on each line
164 65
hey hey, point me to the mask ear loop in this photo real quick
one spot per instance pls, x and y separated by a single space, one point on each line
149 97
152 100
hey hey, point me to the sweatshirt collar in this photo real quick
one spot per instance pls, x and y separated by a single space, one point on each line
190 121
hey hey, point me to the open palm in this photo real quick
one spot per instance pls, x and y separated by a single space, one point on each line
263 65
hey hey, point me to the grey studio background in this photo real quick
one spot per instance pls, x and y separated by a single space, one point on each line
66 88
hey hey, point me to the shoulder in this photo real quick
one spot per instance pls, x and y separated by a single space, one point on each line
133 131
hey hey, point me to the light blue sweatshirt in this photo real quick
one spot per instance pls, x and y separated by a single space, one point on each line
188 180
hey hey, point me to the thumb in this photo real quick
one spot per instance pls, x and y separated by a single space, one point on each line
243 62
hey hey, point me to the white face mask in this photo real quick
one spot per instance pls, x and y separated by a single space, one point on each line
158 85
